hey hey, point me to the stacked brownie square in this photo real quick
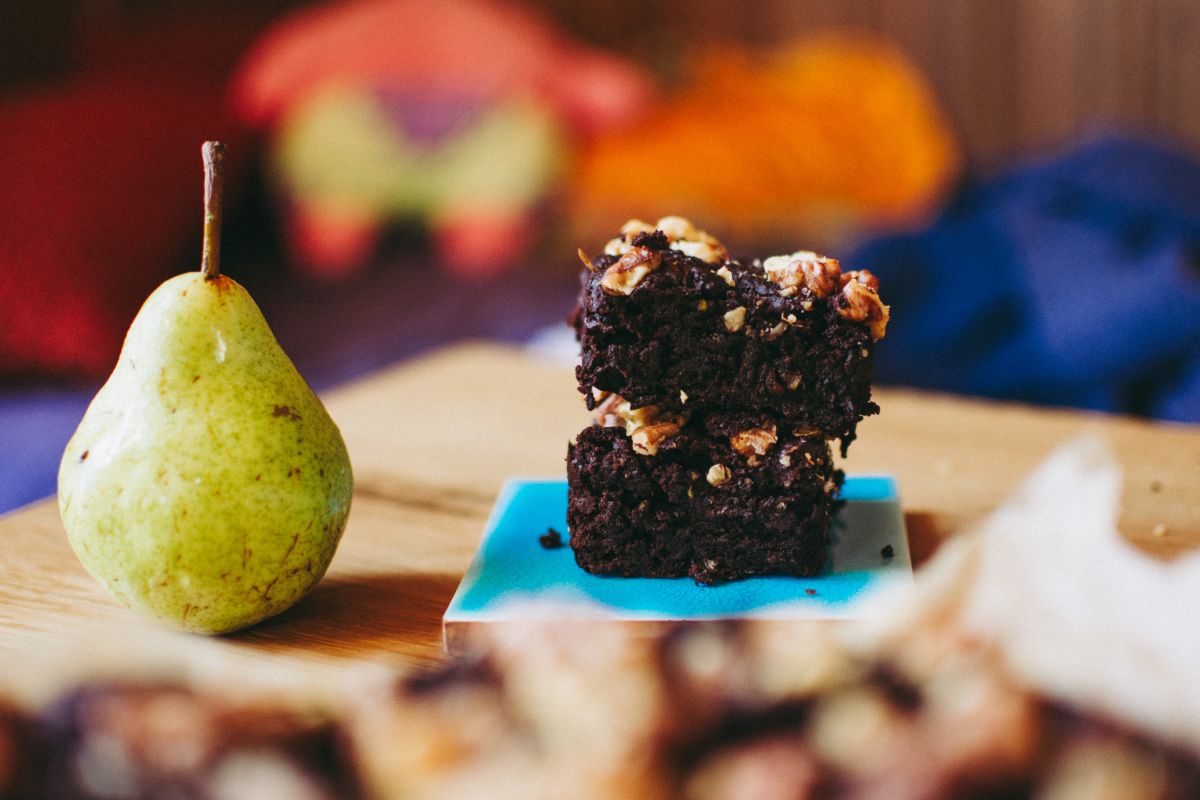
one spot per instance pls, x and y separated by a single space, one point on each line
717 387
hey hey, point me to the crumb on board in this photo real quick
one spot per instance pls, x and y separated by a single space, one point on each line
887 551
810 592
551 539
1156 486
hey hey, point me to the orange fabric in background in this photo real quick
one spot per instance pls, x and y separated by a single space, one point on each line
823 138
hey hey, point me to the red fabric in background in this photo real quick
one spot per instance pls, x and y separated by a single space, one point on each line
100 188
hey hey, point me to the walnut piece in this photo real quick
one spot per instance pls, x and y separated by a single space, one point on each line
718 474
735 319
635 264
804 268
681 235
687 238
859 302
647 438
774 332
863 276
621 244
755 441
647 427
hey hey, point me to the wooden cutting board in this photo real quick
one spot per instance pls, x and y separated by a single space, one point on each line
432 441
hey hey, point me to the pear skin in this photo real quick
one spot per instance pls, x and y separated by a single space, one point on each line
206 485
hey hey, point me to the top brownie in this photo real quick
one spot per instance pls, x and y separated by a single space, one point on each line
667 320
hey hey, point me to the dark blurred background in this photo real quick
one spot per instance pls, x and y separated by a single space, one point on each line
1015 76
403 173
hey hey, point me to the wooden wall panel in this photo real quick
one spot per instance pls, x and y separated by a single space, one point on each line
1016 76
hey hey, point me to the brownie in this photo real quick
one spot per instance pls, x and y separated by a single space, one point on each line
665 318
716 386
725 497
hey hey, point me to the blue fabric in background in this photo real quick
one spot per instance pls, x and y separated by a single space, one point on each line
1074 281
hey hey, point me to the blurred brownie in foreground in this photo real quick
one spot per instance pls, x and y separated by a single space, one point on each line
717 386
138 740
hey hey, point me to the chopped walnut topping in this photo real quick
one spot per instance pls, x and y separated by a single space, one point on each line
785 459
858 302
629 270
607 410
735 319
805 431
863 276
646 439
754 441
587 262
621 245
681 235
702 250
792 380
726 275
635 226
820 275
637 417
773 333
683 396
718 474
647 427
830 487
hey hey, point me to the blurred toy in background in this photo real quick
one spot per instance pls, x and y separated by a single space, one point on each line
818 141
457 113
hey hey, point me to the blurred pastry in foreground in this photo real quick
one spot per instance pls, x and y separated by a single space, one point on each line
970 686
1070 677
152 740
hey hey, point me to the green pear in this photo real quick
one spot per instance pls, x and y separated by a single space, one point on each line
206 485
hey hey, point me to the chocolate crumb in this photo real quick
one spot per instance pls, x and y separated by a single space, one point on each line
551 539
887 551
810 592
85 455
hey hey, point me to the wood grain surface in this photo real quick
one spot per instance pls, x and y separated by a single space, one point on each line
433 440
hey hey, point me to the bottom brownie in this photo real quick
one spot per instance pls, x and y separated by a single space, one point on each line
727 498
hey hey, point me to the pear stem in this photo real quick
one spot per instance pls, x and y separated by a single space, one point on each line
213 154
